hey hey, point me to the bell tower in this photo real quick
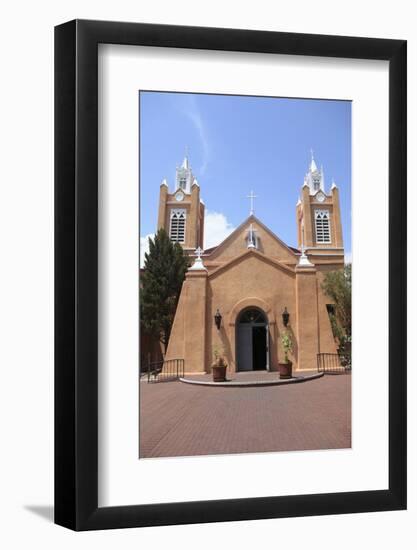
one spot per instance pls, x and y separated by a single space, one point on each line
181 212
318 213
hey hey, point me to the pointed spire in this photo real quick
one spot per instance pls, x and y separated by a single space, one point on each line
334 186
314 178
164 182
185 163
313 165
184 177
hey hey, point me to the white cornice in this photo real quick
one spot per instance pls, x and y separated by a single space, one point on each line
324 248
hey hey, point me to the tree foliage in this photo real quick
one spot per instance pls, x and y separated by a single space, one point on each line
161 282
337 285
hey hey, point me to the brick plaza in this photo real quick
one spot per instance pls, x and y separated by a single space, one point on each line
178 419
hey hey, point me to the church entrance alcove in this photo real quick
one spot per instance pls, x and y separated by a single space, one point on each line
252 338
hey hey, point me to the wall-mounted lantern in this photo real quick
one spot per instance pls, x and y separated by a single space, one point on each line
285 317
218 319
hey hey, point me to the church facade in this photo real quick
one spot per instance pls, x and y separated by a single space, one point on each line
235 294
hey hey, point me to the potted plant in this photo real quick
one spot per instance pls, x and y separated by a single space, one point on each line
285 368
219 366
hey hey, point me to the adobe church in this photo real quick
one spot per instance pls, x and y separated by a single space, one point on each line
235 294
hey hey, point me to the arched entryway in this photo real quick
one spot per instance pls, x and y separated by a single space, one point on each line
252 340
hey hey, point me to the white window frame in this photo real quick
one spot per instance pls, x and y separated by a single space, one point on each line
322 226
176 233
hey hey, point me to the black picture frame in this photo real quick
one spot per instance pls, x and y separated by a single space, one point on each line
76 272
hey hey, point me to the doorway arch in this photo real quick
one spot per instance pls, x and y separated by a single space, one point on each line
252 340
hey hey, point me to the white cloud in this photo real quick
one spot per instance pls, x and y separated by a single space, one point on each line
216 228
348 257
144 247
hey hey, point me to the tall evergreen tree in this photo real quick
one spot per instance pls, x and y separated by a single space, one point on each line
338 286
164 272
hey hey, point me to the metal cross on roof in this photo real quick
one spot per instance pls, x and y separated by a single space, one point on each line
251 197
199 252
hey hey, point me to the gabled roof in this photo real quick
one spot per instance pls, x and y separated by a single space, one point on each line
252 253
250 219
210 250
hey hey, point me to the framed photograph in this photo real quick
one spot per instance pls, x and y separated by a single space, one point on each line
230 253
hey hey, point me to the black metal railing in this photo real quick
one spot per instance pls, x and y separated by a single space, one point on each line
165 370
334 362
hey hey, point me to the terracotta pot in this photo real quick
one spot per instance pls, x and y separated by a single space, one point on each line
285 370
219 373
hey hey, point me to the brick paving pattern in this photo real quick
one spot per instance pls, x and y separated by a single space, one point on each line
178 419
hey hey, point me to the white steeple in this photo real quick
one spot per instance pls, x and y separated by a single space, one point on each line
184 177
313 166
314 177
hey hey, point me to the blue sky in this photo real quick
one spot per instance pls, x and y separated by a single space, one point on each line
239 143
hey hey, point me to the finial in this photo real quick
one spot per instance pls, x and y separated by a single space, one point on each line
333 184
251 196
198 262
303 260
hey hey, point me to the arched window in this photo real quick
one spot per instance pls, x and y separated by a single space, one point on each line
322 220
251 238
177 226
252 316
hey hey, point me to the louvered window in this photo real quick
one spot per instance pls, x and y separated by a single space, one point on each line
322 219
177 228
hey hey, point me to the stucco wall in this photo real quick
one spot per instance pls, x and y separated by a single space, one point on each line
251 280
